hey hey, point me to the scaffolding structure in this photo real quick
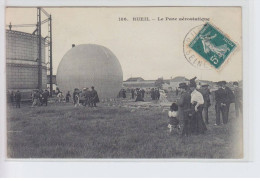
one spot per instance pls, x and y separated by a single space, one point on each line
47 43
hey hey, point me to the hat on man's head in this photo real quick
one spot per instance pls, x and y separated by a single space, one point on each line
224 82
174 107
235 83
192 82
182 85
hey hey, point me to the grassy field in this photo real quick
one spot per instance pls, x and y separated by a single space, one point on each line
113 131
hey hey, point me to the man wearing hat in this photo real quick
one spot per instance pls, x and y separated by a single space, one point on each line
221 103
198 126
204 90
18 97
184 107
238 98
86 95
139 96
94 97
230 96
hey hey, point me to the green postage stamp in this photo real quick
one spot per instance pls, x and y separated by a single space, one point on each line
212 45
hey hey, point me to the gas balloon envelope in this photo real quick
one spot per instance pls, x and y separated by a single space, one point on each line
87 65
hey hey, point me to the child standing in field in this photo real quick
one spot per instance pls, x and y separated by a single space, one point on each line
173 120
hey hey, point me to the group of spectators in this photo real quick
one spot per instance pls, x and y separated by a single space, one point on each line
155 94
15 98
40 97
86 97
139 94
191 108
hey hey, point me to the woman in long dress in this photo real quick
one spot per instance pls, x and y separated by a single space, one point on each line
197 124
163 97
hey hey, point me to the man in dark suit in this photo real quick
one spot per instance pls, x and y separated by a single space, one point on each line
184 108
139 96
157 94
230 96
94 97
45 96
221 98
133 93
143 92
18 98
124 93
153 94
238 98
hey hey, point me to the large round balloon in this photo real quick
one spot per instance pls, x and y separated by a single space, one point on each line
90 65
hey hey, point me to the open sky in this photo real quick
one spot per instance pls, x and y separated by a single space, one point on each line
148 49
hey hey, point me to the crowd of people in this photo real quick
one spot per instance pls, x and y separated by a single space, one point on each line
40 97
155 94
14 97
139 93
191 108
87 97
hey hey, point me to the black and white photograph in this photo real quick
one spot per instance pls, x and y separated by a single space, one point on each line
124 83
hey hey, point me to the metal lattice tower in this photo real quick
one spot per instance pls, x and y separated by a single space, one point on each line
48 43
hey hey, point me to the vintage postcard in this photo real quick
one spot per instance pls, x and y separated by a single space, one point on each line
124 82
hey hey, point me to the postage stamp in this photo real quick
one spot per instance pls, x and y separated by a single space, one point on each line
192 57
211 44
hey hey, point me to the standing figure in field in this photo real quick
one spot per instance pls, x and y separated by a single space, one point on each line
18 98
238 99
197 126
123 93
184 109
177 91
139 96
12 98
60 96
45 96
75 93
83 95
221 98
76 97
36 98
230 96
153 94
41 99
94 97
204 90
143 93
173 120
133 93
163 97
68 96
87 96
157 94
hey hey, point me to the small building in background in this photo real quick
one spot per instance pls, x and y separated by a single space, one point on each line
172 84
138 82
